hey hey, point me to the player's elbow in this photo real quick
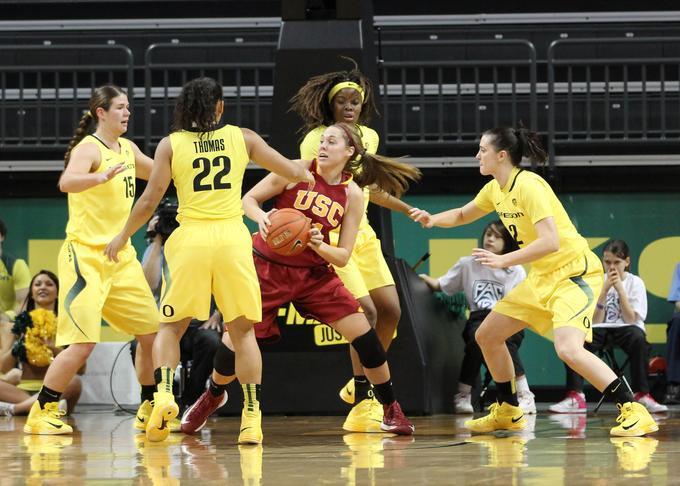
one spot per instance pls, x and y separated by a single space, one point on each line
342 259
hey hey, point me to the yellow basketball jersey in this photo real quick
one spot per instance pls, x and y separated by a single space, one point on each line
526 199
207 168
97 214
309 149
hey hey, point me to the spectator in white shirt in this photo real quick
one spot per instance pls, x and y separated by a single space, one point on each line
619 320
483 287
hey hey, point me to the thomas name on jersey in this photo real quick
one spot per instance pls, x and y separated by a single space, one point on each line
203 146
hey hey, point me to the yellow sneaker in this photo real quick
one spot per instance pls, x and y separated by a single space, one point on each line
365 416
500 417
251 463
634 453
634 420
503 451
251 427
46 421
347 392
164 411
143 414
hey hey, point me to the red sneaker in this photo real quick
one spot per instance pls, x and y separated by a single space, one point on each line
196 416
395 421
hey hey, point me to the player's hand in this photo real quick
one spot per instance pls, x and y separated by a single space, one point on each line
213 323
421 216
488 259
614 279
112 172
114 246
264 223
315 238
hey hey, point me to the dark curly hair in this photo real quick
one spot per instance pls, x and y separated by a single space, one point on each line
195 105
312 104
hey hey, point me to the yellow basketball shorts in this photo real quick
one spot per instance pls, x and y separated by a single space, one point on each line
91 288
205 258
367 269
564 297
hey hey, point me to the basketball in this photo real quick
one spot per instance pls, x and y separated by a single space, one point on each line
288 232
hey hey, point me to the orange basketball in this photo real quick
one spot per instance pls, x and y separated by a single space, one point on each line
289 232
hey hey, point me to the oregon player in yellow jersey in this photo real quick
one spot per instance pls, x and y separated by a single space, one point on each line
347 96
100 181
560 292
211 251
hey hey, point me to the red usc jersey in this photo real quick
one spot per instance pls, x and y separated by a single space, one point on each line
325 206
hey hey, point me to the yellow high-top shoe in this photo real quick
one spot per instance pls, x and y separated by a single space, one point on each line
365 416
500 417
46 421
164 411
251 427
634 420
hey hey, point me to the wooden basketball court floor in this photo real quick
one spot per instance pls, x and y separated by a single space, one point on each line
301 450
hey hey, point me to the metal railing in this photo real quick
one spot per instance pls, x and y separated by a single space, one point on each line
247 85
447 102
45 84
441 95
618 98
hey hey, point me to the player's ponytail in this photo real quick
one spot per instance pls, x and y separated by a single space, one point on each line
518 143
390 175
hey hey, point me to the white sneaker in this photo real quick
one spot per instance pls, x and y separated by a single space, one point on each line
650 404
526 402
63 406
574 402
462 403
6 409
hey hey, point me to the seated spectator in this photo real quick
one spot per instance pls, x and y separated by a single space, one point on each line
483 287
14 279
619 319
673 343
202 338
29 347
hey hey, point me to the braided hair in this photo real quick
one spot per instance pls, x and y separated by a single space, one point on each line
312 104
101 98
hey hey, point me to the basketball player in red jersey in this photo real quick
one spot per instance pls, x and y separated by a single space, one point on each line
308 280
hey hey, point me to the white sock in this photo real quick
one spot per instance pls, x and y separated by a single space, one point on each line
6 408
522 384
463 388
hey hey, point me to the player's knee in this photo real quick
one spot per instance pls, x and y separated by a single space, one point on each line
567 351
225 361
483 337
370 311
370 351
390 313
